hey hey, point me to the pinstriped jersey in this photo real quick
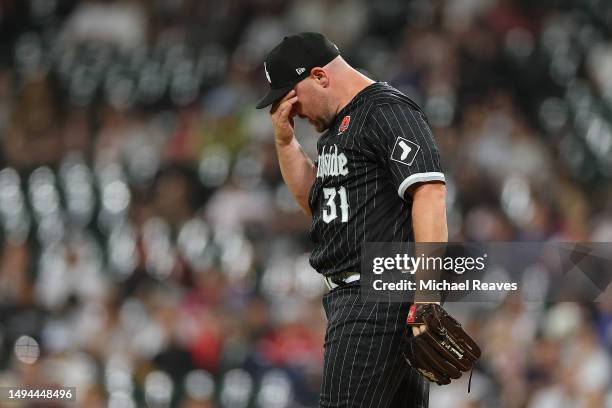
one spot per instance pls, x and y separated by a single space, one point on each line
378 146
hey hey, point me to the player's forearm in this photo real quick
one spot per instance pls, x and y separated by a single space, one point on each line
429 213
429 225
297 170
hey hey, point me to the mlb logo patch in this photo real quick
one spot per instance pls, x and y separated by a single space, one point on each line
345 124
404 151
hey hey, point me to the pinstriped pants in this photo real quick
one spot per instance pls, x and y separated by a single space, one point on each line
363 364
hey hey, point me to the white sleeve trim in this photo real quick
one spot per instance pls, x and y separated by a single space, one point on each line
419 178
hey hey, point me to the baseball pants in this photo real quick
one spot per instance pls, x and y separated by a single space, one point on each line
363 364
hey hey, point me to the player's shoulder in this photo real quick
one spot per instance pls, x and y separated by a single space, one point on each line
385 99
387 104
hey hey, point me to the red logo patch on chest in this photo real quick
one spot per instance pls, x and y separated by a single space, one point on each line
345 124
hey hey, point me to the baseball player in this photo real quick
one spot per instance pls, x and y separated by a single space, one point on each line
377 178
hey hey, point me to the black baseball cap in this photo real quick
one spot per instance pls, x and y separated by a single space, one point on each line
291 61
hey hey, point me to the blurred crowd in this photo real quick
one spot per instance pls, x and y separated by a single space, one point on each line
151 254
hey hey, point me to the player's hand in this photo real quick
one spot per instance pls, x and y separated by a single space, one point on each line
282 114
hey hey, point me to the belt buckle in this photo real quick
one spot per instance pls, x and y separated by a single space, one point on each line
329 283
343 277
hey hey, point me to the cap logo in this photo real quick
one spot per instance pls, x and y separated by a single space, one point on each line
344 124
300 71
267 73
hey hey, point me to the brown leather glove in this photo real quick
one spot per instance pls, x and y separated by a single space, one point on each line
444 351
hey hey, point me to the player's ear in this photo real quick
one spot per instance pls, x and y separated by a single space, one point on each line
320 76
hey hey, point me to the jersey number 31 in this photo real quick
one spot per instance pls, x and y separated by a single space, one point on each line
329 212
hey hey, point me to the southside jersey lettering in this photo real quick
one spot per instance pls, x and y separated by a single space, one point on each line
331 163
378 146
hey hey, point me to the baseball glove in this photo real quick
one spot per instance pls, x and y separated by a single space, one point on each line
444 350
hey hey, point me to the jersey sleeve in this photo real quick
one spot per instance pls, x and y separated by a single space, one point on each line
401 140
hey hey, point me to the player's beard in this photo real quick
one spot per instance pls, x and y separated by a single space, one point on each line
320 124
322 118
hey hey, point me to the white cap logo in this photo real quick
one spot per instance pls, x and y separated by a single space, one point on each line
267 73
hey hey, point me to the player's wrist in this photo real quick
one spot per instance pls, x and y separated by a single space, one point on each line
282 142
427 297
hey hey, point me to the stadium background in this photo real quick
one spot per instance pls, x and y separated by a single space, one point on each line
151 255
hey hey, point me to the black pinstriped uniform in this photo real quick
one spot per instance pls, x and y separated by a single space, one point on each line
378 146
